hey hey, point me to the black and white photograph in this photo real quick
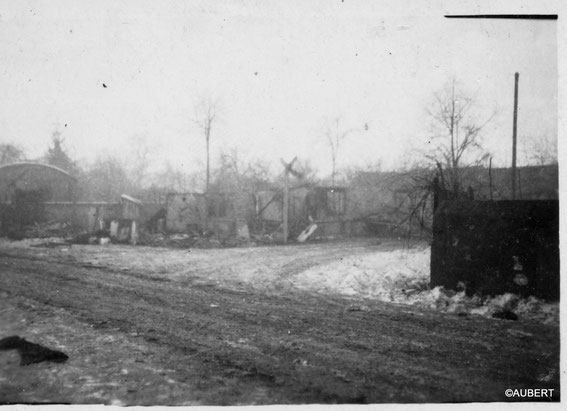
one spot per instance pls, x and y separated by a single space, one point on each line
295 203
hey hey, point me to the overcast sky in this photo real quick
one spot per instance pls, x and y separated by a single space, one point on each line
278 70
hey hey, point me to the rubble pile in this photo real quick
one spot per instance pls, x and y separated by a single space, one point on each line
181 240
42 230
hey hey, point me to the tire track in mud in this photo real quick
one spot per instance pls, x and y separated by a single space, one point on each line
306 345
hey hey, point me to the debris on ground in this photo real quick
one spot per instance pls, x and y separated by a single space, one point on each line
41 230
305 234
505 315
356 307
52 243
180 240
194 240
242 231
206 242
91 237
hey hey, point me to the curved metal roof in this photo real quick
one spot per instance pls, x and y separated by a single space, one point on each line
40 165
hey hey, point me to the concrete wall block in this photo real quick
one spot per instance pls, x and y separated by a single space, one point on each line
497 247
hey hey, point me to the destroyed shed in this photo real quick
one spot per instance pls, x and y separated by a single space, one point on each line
269 209
222 213
324 206
327 207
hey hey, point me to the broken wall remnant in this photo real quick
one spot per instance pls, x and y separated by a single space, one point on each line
123 230
229 212
215 211
155 218
324 203
185 211
269 209
326 206
497 247
131 207
231 205
83 216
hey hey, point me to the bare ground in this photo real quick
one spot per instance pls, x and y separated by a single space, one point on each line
149 326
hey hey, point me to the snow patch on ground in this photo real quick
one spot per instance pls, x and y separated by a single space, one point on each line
402 277
375 275
397 276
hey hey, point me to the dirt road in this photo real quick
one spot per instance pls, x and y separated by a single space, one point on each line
143 335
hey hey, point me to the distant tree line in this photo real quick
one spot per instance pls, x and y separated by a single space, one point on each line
109 176
453 144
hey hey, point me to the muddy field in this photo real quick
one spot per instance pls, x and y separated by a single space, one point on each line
260 325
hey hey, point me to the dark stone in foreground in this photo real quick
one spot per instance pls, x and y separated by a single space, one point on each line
31 353
497 247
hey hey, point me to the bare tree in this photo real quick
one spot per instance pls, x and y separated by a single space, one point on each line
455 142
540 151
228 174
245 175
10 153
456 134
106 180
140 160
174 179
335 135
206 112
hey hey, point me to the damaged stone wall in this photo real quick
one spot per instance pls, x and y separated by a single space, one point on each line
270 205
82 215
493 248
189 212
185 212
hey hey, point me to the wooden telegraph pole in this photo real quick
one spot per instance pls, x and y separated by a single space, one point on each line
285 206
514 136
285 217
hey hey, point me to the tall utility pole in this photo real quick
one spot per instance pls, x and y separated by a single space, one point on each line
288 168
206 111
514 136
208 137
285 207
208 178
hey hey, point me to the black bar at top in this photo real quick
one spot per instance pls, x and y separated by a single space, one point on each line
504 16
